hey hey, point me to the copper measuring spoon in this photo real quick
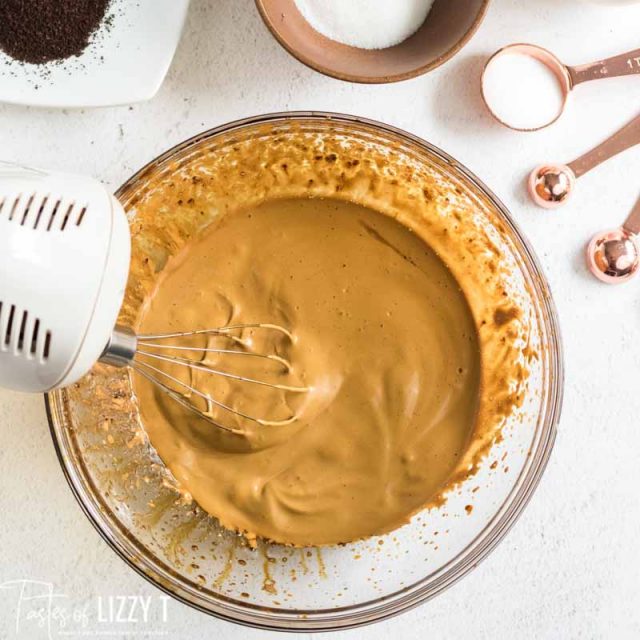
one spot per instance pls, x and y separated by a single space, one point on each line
568 77
614 256
551 185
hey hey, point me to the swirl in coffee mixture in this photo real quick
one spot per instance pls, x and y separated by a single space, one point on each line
382 334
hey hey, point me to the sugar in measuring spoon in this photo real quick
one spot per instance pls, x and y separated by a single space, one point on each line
526 87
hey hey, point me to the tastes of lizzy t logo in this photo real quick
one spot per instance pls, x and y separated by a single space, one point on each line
43 612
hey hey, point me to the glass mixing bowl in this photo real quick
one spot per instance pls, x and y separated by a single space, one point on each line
128 495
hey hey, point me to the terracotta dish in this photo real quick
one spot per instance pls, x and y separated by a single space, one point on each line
448 27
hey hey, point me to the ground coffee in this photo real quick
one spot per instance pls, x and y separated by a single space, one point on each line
39 31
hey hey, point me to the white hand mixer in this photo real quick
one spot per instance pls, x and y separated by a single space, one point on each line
64 261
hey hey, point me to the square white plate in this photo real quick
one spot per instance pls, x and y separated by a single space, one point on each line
125 63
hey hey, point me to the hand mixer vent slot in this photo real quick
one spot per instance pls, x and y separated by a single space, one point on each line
81 216
34 337
18 331
27 209
9 206
23 328
6 338
66 216
40 210
54 212
35 207
14 209
47 346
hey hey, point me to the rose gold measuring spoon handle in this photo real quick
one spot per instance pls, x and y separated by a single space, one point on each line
632 223
620 141
624 64
551 185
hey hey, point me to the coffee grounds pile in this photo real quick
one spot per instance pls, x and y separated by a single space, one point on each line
40 31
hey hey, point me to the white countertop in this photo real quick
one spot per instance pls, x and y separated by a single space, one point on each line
570 566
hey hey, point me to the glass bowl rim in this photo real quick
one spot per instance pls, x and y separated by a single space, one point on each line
477 550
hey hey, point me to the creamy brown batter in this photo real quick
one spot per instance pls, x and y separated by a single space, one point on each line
199 260
382 335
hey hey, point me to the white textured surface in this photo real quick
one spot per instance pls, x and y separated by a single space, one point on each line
570 566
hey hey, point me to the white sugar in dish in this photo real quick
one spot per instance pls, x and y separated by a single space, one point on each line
521 91
366 24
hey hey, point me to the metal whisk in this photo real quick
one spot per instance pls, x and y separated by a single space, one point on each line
143 352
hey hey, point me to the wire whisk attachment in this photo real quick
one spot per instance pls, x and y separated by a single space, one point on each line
180 370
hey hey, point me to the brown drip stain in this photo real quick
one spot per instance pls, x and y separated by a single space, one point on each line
228 567
303 561
180 534
322 570
158 508
268 583
504 315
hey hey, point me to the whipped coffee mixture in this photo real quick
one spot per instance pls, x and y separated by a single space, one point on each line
382 335
406 312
